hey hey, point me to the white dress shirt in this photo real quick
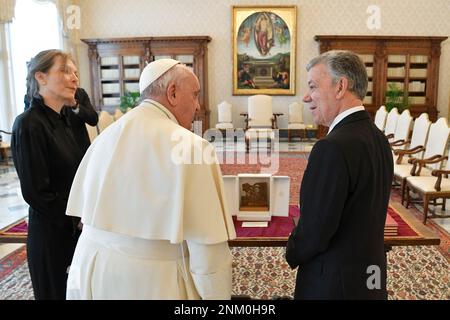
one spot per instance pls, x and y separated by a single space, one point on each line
343 115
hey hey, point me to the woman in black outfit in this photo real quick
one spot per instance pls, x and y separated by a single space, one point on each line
46 156
80 112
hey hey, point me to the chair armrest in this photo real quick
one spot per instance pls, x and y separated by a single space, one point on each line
414 150
6 132
412 160
400 142
274 123
274 120
246 120
439 174
434 159
420 163
402 152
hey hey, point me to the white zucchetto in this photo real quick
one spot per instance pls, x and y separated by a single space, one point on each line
154 70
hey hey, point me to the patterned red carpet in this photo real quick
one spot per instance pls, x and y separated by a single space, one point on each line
12 261
15 281
413 272
262 273
444 246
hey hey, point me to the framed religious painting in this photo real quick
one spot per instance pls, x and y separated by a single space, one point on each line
264 50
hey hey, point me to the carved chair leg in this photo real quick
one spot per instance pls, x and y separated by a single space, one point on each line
443 203
408 199
425 208
403 188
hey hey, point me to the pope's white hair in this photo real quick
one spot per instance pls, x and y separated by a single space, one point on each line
159 87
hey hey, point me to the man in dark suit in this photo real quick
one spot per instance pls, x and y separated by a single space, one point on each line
338 244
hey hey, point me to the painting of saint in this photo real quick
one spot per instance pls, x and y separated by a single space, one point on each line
264 53
263 33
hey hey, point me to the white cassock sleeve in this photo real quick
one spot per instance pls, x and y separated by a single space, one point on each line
210 267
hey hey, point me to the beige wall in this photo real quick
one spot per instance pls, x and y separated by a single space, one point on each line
125 18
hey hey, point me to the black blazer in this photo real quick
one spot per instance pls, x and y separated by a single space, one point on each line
339 240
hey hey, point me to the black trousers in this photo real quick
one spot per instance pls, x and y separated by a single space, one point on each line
50 248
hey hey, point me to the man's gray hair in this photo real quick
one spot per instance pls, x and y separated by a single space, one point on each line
159 86
342 63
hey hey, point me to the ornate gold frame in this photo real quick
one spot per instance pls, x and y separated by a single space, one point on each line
265 64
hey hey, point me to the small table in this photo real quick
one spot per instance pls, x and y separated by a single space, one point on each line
424 235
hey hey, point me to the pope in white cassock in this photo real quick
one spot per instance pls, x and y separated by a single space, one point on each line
155 225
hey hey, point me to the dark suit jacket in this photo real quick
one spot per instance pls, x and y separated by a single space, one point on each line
343 202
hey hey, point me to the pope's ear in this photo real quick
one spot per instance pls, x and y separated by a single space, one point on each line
171 94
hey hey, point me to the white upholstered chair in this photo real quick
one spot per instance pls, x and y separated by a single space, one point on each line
430 188
92 132
117 114
260 114
225 117
391 123
402 130
296 123
380 118
104 120
260 121
418 140
432 155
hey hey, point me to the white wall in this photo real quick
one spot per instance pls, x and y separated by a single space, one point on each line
128 18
